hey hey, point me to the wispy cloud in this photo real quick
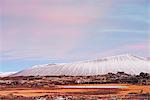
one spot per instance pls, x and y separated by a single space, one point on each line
137 48
72 29
141 47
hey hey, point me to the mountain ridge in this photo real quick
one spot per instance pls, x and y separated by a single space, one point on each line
128 63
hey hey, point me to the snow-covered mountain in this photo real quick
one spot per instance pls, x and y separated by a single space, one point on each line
127 63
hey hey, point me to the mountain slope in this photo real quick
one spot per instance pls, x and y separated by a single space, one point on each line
126 63
5 74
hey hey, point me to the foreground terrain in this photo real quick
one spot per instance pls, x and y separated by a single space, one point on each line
132 91
102 87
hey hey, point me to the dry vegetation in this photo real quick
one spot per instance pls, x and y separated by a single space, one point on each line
51 88
133 90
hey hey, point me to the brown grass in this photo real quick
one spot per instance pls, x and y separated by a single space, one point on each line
39 92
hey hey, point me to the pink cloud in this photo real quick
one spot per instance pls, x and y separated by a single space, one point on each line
140 46
61 12
40 38
125 49
41 43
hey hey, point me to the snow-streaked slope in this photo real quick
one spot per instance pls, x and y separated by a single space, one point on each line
5 74
126 63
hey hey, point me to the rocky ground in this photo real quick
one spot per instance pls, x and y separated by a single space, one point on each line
79 97
50 87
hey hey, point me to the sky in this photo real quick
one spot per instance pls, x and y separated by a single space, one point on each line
61 31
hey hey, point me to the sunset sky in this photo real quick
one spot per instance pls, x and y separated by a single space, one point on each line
60 31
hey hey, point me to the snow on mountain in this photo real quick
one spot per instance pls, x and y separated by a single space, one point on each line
126 63
4 74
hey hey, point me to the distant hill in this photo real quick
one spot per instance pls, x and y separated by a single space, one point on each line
121 63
